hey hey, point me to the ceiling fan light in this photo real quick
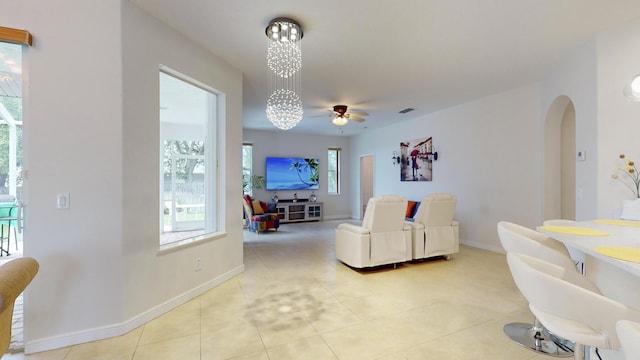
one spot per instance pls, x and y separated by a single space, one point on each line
339 121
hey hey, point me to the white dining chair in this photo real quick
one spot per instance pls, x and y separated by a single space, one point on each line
629 335
567 309
576 256
520 239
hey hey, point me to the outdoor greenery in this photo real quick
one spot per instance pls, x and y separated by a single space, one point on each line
308 164
184 169
14 107
255 182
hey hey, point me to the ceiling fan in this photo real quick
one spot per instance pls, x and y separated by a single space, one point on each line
341 117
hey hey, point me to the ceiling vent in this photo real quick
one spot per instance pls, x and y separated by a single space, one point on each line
406 110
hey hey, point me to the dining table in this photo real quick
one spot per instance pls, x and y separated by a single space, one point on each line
611 250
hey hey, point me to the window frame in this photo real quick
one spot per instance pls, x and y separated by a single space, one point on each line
247 169
335 170
214 216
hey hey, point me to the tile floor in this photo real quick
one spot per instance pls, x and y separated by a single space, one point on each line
295 301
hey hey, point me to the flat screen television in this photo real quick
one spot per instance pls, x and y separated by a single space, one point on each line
292 173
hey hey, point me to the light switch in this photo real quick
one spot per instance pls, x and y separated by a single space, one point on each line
582 155
62 201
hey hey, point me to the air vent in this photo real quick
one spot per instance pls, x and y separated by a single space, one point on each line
406 110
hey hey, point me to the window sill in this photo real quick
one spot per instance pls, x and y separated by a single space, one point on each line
196 240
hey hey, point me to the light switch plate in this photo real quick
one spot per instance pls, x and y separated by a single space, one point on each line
582 155
62 201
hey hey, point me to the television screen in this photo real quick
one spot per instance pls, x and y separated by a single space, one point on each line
292 173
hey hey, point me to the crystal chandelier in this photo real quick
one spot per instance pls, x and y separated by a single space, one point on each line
284 61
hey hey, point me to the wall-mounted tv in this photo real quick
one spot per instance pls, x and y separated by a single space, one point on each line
292 173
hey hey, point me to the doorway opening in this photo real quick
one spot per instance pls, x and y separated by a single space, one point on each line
560 161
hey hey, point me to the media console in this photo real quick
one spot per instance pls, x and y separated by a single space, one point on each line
299 211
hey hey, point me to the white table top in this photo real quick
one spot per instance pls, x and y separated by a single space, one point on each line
622 236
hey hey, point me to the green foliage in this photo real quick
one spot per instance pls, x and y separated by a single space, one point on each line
256 182
14 106
184 168
312 166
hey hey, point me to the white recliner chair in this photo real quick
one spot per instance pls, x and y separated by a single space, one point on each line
519 239
568 309
382 239
434 232
629 335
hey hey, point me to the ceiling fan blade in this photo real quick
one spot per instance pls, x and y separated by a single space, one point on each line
361 113
356 118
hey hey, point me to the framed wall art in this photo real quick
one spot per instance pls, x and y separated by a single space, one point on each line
416 160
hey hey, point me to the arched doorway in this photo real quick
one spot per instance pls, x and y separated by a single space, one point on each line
559 170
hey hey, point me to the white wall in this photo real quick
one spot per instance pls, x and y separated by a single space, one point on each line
91 129
491 149
284 144
618 123
489 156
147 44
576 79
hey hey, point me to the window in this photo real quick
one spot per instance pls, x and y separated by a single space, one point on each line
11 119
333 171
188 122
247 168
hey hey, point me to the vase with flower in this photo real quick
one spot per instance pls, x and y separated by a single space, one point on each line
630 177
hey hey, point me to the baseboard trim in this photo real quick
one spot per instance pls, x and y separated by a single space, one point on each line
483 246
105 332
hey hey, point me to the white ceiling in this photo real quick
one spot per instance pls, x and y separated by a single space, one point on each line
382 56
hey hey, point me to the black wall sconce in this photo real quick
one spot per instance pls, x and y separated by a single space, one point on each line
395 158
434 154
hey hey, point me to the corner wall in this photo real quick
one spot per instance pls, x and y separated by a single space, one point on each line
618 124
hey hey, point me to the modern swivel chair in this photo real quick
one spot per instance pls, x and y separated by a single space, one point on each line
577 256
15 275
566 308
629 335
520 239
433 231
383 238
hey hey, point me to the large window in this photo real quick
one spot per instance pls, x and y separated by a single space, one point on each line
333 171
188 113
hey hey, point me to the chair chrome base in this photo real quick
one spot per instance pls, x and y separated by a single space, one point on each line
539 339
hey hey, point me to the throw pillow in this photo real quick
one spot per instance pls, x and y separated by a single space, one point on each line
410 206
257 208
